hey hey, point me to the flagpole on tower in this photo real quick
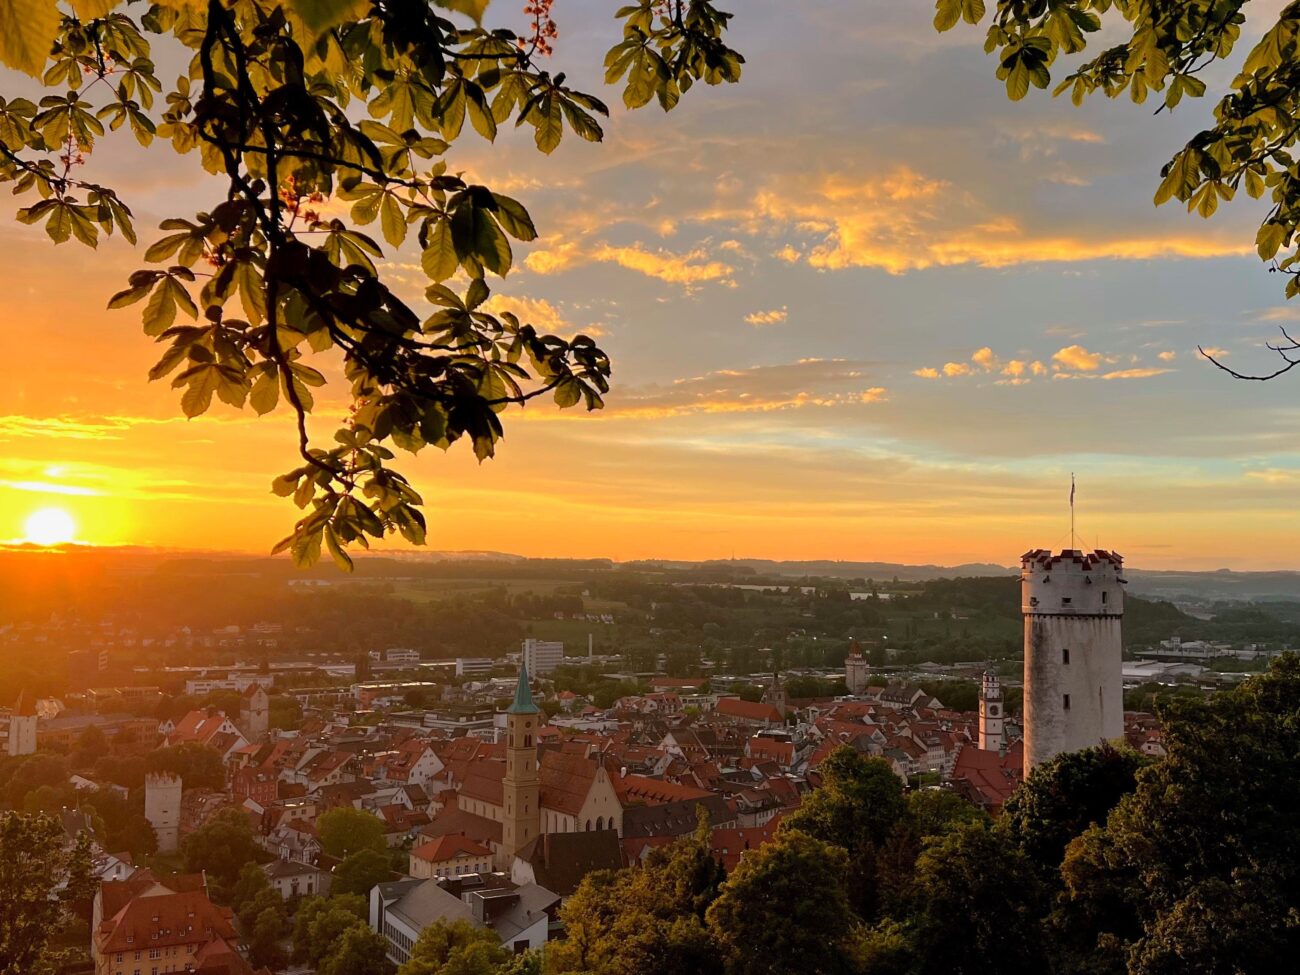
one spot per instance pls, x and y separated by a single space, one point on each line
1072 537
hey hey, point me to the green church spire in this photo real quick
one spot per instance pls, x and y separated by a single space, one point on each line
523 703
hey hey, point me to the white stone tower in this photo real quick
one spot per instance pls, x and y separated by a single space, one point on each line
22 726
856 669
162 807
521 787
991 714
254 712
1073 605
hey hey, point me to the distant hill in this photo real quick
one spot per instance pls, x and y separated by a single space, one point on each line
826 568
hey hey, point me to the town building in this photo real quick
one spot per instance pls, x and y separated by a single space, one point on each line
145 924
541 657
254 712
520 916
453 855
473 666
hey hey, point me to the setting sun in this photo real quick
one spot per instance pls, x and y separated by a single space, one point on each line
49 526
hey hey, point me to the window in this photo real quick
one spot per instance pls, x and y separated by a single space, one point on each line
1065 655
1065 600
1103 596
155 953
1066 702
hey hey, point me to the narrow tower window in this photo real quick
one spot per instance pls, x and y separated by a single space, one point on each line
1104 594
1065 655
1066 701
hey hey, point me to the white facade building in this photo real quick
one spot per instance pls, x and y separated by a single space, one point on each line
1073 606
468 666
542 656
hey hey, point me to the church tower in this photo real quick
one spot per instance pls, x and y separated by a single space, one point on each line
22 726
1073 606
521 807
775 695
991 714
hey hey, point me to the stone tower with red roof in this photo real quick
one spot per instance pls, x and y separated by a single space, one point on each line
1073 607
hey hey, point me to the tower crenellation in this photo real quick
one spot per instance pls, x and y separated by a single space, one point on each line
1073 606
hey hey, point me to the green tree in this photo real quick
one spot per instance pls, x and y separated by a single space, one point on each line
456 948
92 745
199 766
978 904
934 812
361 871
295 101
1197 867
265 939
221 846
648 919
344 831
320 922
785 910
1063 797
356 951
857 805
33 772
1169 47
33 862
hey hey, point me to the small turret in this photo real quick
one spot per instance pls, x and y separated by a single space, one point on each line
992 738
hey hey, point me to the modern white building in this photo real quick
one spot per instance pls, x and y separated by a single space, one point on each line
1073 607
520 915
542 656
470 666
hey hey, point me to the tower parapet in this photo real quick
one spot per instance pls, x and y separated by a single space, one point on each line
1073 605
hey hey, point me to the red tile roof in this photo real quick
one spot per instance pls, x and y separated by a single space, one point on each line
449 847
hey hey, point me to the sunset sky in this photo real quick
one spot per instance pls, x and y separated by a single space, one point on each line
860 307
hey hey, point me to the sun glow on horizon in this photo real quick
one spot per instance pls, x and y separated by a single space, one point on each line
49 526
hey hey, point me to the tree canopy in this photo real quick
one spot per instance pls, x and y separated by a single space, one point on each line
296 103
40 878
1164 49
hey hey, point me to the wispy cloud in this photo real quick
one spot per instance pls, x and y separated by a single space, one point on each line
773 316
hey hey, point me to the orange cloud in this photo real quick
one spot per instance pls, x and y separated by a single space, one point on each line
773 317
909 221
689 269
1078 358
1142 373
929 372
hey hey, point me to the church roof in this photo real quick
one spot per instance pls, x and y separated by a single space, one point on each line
523 702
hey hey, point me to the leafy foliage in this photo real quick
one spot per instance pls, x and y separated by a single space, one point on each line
1169 45
33 862
305 103
785 909
456 948
221 846
345 831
